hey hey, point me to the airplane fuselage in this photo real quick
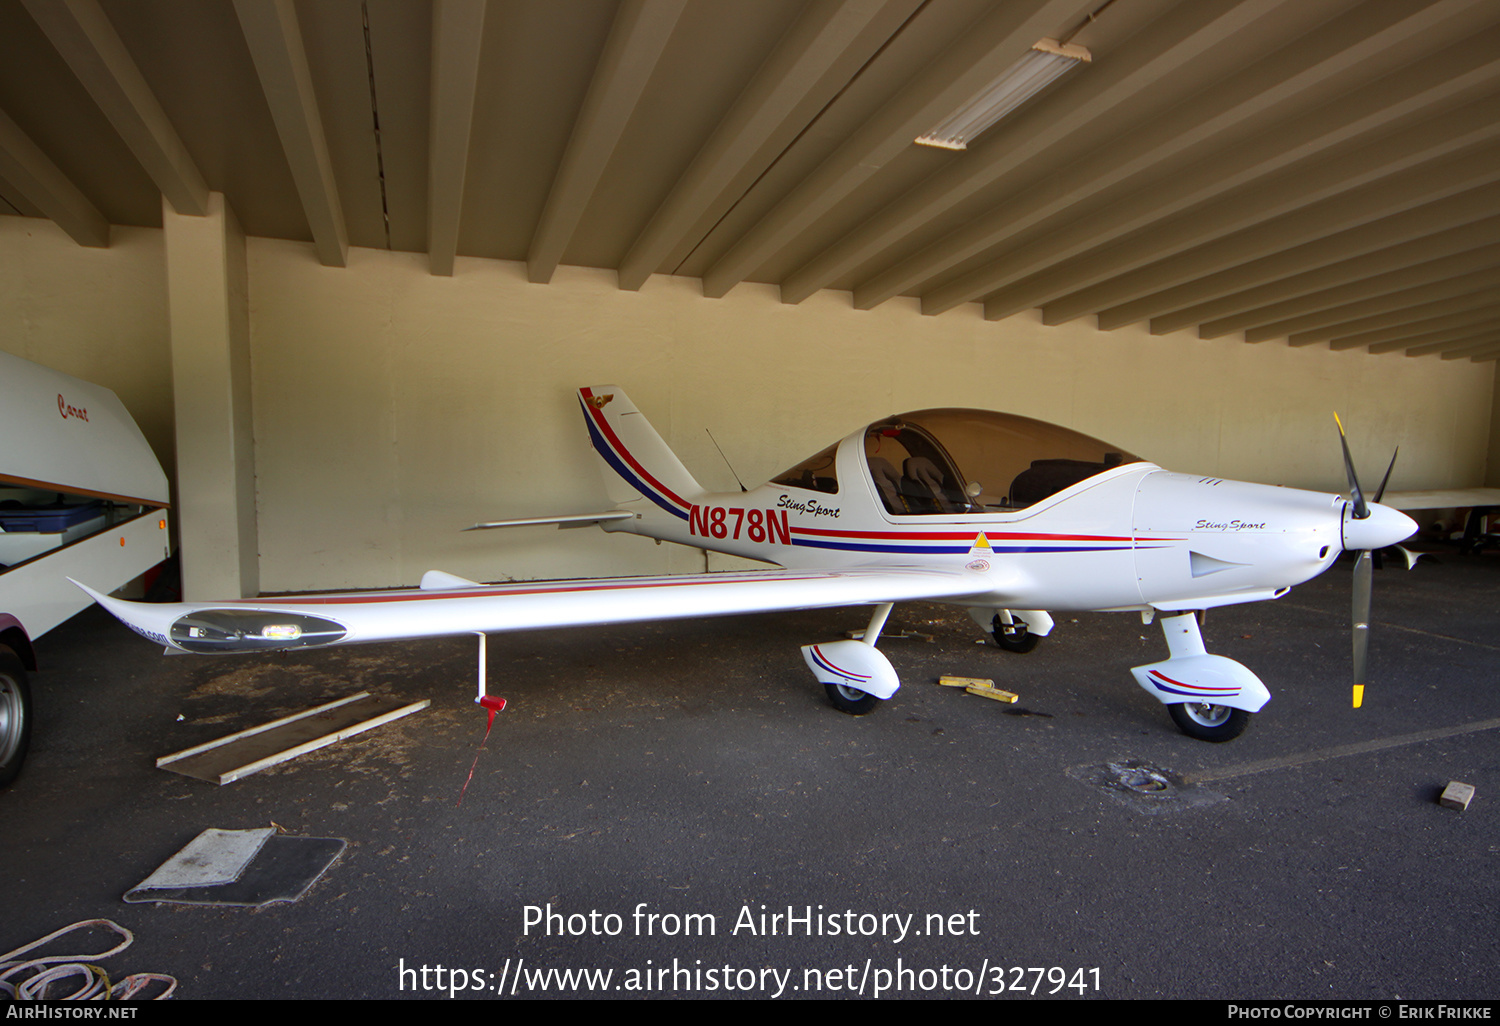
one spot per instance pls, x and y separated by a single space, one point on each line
1132 537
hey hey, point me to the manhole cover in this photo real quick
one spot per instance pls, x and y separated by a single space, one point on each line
1144 786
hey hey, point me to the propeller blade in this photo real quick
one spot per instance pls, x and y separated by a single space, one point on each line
1380 492
1363 580
1361 509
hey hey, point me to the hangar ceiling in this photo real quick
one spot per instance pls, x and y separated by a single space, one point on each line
1323 172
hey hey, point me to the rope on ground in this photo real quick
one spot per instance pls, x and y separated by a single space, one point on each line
38 978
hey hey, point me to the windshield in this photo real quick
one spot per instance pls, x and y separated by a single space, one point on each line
977 461
816 473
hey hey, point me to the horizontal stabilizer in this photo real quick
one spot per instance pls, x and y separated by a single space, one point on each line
566 520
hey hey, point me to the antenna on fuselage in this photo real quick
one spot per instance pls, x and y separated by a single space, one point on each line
714 440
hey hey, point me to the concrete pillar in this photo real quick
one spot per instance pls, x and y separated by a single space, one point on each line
209 315
1492 464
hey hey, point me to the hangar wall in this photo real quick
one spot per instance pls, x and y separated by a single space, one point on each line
392 407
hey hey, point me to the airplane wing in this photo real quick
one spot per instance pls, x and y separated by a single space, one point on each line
447 605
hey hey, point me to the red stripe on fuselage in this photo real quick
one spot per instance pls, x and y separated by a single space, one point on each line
455 593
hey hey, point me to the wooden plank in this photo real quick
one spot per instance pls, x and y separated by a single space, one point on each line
240 754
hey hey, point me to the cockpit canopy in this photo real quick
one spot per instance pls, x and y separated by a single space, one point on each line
964 461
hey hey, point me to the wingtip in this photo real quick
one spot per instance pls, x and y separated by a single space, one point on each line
115 607
90 592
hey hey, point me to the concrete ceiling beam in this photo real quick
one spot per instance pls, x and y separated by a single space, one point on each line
41 183
991 45
637 39
1030 137
816 59
88 42
457 36
275 41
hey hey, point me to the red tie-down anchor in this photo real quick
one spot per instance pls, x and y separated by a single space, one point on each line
491 703
494 703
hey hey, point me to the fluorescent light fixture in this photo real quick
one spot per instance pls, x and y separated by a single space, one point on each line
1047 61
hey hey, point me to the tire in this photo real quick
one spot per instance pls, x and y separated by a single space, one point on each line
1014 636
15 715
850 700
1206 722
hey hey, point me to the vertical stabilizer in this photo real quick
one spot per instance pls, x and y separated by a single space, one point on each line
638 462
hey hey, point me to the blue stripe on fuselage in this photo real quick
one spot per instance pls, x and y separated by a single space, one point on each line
630 476
945 549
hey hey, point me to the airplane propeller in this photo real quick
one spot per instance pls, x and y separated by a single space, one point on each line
1363 563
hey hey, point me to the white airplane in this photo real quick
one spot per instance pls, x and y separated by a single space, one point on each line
1010 517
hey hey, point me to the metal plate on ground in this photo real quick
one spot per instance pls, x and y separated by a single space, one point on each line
213 857
237 755
283 870
1145 787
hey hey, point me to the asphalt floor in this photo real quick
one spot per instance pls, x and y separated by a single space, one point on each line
1071 845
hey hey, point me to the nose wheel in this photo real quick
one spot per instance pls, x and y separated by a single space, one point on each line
1209 722
850 700
1221 694
858 660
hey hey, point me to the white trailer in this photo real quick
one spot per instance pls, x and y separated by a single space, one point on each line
81 495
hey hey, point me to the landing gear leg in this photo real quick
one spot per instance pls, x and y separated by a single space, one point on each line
1195 685
852 700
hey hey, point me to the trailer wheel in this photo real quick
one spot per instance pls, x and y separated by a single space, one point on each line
15 715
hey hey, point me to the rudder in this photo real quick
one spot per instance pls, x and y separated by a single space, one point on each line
638 461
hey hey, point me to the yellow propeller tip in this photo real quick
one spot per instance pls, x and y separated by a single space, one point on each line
1359 695
1338 422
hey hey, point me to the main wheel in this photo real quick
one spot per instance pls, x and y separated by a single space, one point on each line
850 700
1209 722
15 715
1014 636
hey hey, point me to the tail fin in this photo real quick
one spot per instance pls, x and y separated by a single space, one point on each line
638 462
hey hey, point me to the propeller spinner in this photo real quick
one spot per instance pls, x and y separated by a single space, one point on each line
1367 527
